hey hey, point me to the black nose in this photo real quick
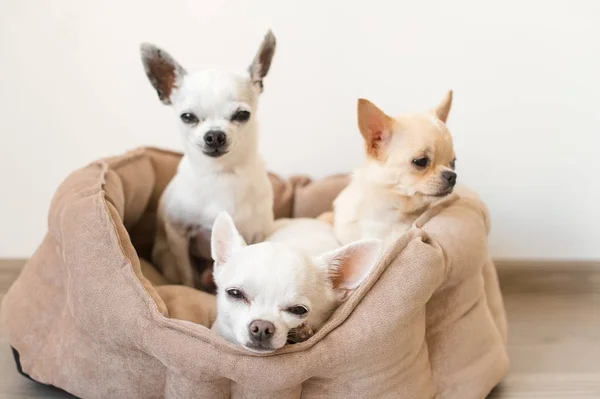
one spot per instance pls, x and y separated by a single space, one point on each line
261 331
215 139
450 177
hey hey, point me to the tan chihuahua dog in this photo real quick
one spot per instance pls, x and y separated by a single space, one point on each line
410 164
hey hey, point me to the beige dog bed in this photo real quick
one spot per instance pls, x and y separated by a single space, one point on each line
429 322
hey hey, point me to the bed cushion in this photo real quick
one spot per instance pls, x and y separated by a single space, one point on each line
428 322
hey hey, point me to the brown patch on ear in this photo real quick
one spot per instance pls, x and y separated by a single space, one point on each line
162 71
443 109
262 61
375 127
162 77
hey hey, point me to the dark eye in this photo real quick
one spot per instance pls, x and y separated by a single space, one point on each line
421 162
235 293
240 116
453 164
298 310
189 118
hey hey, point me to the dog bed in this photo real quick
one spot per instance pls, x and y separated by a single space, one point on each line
82 316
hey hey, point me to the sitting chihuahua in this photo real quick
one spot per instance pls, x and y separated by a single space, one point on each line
285 288
220 170
410 165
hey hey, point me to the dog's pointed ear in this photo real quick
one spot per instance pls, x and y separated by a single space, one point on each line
375 126
349 265
225 239
262 61
162 70
443 109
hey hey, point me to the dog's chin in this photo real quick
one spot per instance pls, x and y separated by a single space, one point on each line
443 193
259 348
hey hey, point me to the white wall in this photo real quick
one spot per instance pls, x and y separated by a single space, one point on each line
526 116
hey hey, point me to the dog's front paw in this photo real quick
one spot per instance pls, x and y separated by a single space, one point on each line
300 334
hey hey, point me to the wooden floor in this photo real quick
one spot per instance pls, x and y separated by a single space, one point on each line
554 333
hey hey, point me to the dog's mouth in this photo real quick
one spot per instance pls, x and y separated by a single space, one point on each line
444 192
215 152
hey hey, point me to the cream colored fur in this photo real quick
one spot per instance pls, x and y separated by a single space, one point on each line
390 190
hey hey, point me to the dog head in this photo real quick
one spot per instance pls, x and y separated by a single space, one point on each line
412 154
215 109
269 292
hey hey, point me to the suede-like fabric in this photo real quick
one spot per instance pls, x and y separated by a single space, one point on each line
89 315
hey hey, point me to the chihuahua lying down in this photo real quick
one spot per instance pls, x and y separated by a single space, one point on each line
285 288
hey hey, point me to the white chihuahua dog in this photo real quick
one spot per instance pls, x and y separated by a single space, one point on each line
220 170
283 289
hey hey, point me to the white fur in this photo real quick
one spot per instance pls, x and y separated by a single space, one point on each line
236 182
296 266
310 236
